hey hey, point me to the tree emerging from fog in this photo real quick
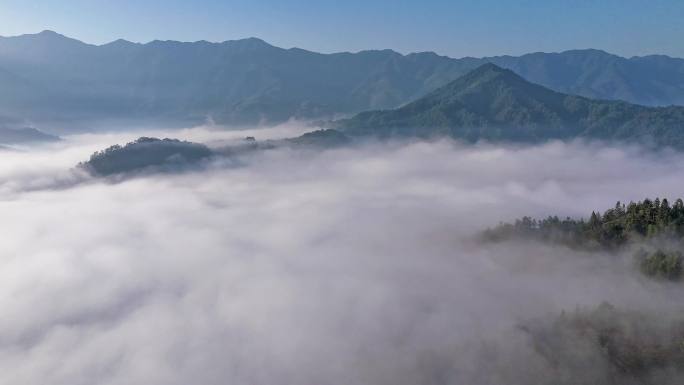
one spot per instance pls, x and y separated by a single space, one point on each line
650 223
145 153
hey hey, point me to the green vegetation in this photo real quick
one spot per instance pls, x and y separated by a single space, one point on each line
661 264
614 228
144 153
492 103
321 139
647 221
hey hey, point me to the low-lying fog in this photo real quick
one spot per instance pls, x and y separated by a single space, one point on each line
347 266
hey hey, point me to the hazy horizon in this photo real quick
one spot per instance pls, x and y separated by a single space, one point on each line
455 29
589 48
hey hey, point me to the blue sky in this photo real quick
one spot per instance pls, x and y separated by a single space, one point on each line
454 28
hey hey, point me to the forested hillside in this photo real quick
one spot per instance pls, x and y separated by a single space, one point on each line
656 226
48 77
495 104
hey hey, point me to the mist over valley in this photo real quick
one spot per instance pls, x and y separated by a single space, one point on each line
227 211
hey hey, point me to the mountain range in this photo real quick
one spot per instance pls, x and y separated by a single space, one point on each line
47 77
489 103
496 104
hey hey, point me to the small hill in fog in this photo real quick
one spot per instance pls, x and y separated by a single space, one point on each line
24 136
145 153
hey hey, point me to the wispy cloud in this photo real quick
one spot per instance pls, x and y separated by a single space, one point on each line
343 266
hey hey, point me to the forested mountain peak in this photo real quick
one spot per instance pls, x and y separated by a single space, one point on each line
493 103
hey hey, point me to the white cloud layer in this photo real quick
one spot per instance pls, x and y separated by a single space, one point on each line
352 266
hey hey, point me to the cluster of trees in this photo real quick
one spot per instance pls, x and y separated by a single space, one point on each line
321 139
613 229
635 347
143 153
661 264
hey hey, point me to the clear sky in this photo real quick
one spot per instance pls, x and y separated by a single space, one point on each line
455 28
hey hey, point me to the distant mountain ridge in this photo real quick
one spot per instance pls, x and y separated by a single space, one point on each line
50 77
24 135
496 104
16 132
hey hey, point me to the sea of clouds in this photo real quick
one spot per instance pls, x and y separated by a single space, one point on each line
346 266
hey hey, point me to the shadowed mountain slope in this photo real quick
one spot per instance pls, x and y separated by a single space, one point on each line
493 103
48 77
